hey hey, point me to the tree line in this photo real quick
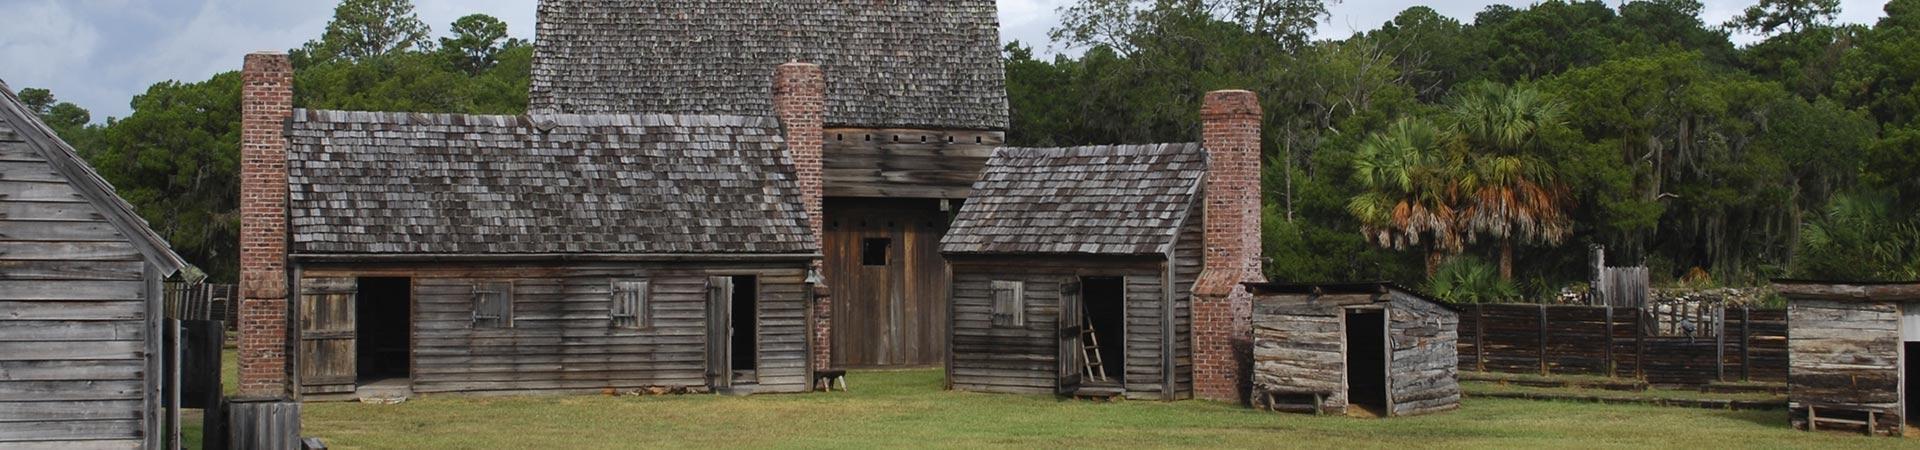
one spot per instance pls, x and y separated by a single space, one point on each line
1476 158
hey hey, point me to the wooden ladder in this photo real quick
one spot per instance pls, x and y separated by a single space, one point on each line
1090 348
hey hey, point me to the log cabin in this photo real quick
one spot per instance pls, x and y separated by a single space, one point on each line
80 299
1847 351
1365 349
1075 269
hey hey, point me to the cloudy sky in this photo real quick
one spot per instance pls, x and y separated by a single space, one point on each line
99 53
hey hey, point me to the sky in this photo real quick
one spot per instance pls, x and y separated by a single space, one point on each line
100 53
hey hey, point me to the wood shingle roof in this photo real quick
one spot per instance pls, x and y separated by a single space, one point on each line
890 63
1104 200
400 183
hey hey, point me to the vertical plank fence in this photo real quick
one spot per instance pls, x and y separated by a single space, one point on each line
1746 344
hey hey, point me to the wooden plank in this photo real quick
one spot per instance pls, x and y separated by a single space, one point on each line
29 171
129 270
50 211
39 192
71 290
82 350
67 251
38 310
70 330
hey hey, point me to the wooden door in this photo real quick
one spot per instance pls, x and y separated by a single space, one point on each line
1071 325
719 332
890 283
326 362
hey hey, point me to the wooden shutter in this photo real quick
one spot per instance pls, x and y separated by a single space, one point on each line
327 335
629 309
493 305
1071 325
1009 303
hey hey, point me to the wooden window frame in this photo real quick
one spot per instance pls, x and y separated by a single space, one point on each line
496 316
1009 311
631 304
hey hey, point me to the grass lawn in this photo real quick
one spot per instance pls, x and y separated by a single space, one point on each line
908 409
1488 387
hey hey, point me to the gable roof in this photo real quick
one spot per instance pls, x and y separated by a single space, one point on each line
1102 200
35 135
442 184
889 63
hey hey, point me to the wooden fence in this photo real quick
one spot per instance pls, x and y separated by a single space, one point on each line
202 301
1618 342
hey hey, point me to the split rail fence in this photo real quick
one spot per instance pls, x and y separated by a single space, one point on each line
1737 344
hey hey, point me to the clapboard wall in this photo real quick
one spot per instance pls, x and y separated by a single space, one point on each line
78 314
562 340
1425 375
1026 359
1189 257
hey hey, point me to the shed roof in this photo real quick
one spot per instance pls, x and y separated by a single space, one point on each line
891 63
400 183
1870 291
1358 287
1100 200
38 138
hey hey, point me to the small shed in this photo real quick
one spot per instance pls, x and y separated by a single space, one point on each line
1846 352
1073 271
1371 349
80 299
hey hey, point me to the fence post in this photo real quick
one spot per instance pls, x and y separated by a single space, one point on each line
1543 341
1746 333
1608 362
1480 337
1720 343
1640 344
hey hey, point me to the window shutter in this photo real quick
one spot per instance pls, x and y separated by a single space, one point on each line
1009 304
493 305
630 304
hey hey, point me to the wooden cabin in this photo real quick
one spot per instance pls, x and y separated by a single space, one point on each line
1073 271
582 253
1847 355
1367 349
915 101
80 299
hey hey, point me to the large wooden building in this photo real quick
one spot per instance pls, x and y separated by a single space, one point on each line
80 299
1371 349
1848 352
915 101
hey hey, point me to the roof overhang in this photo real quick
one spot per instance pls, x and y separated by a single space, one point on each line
1848 291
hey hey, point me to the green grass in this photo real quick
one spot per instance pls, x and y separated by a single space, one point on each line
908 409
1486 387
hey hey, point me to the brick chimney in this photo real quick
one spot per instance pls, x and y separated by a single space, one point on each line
800 101
266 103
1222 307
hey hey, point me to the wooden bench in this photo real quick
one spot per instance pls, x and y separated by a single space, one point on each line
824 379
1274 400
1871 423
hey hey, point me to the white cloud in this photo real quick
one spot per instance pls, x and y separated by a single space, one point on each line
43 43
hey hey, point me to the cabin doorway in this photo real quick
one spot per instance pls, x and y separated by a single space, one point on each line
1104 336
383 330
1367 362
744 346
733 332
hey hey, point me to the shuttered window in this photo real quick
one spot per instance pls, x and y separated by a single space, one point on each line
493 305
629 309
1009 303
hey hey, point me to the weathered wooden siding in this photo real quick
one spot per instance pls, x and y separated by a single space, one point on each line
1845 354
1424 375
75 314
1025 359
1299 346
1188 259
562 338
891 315
905 163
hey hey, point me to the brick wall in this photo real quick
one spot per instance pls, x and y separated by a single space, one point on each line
266 102
799 100
1222 307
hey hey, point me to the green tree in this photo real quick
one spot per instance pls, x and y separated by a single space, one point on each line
477 42
176 159
1511 192
1794 16
1410 196
363 29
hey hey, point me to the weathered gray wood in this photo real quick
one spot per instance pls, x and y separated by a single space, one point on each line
1844 351
67 251
1300 351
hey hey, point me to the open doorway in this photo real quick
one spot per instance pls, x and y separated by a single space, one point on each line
746 326
383 329
1912 412
1367 362
1105 337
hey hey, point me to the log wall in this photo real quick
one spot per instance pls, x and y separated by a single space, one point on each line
1425 370
1846 354
78 315
1299 346
1025 360
561 338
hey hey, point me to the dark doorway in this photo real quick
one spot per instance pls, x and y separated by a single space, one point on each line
1912 412
1106 303
1367 360
746 293
384 328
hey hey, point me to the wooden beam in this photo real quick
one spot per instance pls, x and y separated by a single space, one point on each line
1807 290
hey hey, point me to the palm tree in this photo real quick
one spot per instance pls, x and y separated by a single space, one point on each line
1510 192
1409 175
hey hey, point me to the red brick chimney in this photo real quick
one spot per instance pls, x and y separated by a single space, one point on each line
1222 307
800 101
266 103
